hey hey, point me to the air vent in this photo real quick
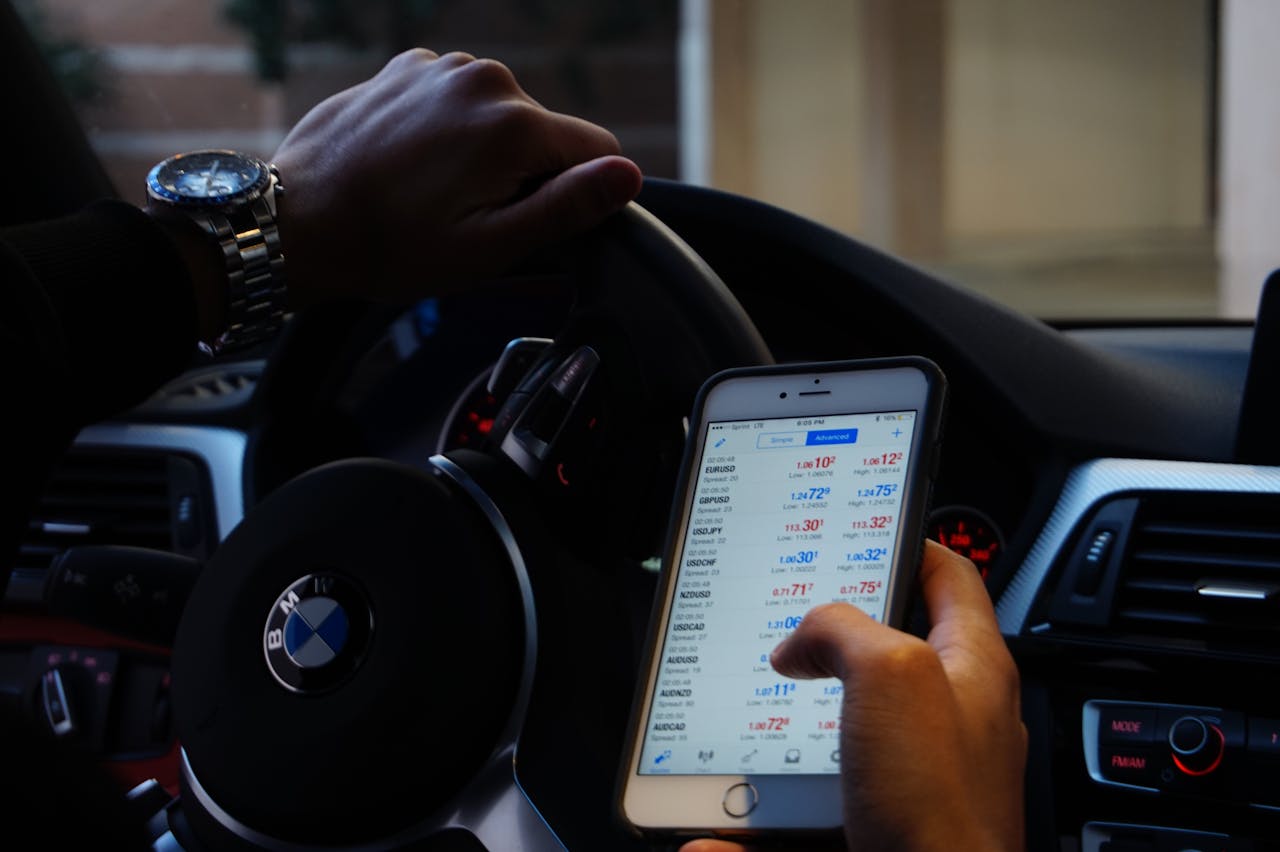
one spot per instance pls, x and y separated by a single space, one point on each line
145 499
1205 568
216 385
1176 569
222 386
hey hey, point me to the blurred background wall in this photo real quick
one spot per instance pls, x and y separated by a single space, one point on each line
1075 158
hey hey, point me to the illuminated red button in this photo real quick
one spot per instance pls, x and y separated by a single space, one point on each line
1127 765
1126 723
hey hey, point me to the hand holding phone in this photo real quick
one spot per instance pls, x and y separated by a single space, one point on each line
802 485
947 771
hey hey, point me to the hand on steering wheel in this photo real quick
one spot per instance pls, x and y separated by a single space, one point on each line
437 170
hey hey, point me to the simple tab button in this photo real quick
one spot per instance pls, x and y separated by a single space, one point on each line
1127 766
1264 738
740 800
1126 723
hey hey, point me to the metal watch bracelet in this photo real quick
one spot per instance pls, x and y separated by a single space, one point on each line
256 293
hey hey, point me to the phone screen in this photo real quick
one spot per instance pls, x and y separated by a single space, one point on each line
786 514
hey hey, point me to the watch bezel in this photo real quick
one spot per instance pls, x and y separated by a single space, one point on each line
159 192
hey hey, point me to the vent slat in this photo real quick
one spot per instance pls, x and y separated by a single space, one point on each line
1163 585
96 497
1209 560
103 501
1222 531
1163 615
212 387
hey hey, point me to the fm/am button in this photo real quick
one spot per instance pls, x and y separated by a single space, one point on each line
1132 766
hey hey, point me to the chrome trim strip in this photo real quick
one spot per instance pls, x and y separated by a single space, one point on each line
53 528
61 722
235 826
221 450
1094 480
1237 591
500 526
507 808
506 818
167 843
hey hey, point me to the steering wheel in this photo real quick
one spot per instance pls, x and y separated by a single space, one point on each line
369 622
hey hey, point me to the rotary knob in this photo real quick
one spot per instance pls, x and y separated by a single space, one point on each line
1197 745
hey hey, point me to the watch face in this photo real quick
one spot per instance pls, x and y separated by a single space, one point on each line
207 178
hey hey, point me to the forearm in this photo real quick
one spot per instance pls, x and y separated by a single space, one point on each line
113 299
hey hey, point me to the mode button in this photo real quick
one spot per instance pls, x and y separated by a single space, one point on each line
1126 723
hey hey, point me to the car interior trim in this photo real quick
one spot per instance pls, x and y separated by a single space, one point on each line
1099 836
502 806
1090 715
500 526
510 805
1094 480
222 450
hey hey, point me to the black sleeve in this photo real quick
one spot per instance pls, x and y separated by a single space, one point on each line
96 311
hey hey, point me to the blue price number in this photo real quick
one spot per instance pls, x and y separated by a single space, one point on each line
776 690
871 554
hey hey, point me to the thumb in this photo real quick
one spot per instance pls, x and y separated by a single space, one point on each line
571 202
830 642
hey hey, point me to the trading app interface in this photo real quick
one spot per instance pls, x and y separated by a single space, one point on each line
787 514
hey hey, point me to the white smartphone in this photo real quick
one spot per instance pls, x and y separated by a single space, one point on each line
801 485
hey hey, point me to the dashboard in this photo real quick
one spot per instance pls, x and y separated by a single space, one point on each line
1091 472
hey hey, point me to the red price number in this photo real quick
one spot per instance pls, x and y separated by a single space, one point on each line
807 525
773 723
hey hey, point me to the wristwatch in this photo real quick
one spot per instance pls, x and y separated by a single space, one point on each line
232 197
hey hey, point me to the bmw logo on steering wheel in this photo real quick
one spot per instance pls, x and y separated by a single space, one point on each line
317 632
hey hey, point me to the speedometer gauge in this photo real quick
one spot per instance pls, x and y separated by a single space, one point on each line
968 532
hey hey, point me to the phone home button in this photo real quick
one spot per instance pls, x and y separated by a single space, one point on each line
740 800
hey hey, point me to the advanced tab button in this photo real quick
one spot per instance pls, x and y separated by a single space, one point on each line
1126 723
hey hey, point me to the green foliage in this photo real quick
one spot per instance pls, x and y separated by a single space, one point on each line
391 25
77 66
263 20
271 24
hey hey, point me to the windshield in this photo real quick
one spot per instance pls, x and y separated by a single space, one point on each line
1075 160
